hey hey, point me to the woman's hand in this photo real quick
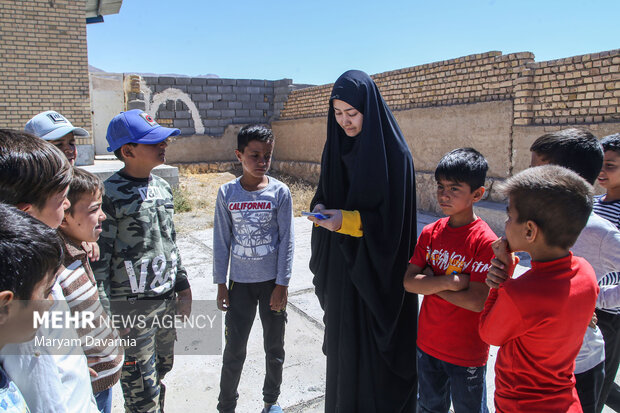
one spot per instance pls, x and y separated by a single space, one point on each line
333 223
317 208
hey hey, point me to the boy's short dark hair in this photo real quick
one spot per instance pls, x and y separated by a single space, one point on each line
253 133
119 154
611 143
557 199
29 250
83 182
31 169
463 165
573 148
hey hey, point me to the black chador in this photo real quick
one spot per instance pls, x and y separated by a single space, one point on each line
370 321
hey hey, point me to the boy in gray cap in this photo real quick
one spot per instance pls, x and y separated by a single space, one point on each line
56 129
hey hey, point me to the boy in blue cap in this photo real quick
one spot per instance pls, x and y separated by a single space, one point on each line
140 261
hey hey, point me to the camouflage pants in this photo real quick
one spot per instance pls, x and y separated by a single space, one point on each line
148 361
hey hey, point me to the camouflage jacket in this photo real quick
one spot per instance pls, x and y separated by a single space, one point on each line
139 255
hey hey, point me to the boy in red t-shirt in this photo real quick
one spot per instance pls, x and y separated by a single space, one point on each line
539 319
449 267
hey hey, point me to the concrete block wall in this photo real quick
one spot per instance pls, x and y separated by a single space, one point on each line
205 106
44 66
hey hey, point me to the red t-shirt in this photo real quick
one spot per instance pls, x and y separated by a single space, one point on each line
446 331
539 321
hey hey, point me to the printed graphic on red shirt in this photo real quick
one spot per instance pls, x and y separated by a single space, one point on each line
446 331
253 220
451 262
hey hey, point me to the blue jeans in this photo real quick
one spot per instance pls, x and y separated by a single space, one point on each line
440 381
104 401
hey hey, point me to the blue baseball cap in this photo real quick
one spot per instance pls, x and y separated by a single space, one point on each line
136 126
51 125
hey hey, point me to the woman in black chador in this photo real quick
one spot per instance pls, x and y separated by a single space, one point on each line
360 253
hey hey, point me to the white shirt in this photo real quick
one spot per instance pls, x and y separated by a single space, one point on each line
51 383
599 244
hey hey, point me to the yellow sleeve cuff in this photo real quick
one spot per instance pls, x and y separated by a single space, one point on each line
351 224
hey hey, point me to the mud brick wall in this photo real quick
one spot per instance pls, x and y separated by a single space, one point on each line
576 90
43 65
476 78
498 104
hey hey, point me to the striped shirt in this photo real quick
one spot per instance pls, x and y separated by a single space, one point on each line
80 290
610 210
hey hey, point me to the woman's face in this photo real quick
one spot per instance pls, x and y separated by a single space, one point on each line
349 118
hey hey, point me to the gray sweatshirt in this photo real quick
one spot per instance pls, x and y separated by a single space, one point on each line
253 231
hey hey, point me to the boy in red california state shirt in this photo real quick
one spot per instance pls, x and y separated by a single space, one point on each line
449 266
539 319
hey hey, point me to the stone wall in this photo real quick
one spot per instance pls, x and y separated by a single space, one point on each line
44 64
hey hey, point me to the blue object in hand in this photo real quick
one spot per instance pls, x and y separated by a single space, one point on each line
314 214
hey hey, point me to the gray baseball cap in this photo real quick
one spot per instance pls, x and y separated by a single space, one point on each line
51 125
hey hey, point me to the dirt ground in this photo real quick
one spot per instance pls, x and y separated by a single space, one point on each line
195 197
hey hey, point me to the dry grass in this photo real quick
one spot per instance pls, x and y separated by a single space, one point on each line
197 193
301 191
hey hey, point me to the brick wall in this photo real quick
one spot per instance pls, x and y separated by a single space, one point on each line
43 61
576 90
476 78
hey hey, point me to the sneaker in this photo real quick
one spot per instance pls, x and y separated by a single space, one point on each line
274 408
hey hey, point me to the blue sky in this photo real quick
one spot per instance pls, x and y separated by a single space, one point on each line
314 41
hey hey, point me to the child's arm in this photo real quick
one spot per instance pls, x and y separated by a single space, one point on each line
222 297
184 302
286 238
474 297
181 285
279 298
500 320
471 298
425 283
609 296
286 247
503 265
92 248
222 235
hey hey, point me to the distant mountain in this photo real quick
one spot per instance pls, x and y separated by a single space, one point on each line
207 76
94 69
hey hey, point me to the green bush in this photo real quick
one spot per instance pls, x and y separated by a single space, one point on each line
181 199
